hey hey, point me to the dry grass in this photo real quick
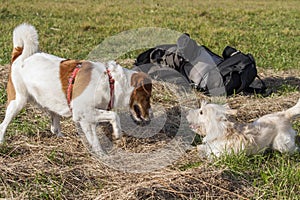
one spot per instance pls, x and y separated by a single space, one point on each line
42 166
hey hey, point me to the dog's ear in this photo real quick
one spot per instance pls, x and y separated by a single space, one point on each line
203 103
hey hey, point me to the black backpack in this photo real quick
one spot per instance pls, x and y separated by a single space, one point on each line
206 71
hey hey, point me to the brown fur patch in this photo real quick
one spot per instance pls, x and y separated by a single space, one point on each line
17 51
141 93
83 76
65 71
141 81
10 89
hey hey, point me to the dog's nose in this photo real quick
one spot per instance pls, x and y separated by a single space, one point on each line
146 119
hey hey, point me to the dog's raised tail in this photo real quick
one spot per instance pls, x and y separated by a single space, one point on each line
294 111
25 41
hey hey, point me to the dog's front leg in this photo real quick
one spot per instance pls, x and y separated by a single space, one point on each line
113 118
202 151
206 151
89 129
55 124
79 129
13 108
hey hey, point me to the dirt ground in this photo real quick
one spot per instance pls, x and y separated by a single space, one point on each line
40 163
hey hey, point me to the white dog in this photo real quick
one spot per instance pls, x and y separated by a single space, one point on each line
224 137
85 90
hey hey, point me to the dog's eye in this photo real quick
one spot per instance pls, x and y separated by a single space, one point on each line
201 113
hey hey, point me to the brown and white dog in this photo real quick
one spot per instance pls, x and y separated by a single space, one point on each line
84 90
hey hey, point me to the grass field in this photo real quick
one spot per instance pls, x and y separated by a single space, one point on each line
37 165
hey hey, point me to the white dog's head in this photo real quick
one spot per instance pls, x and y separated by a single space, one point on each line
207 116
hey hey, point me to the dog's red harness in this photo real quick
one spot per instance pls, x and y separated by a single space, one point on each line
112 88
71 83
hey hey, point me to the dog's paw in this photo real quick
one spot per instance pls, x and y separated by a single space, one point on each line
117 131
1 138
98 150
117 134
60 134
79 129
201 151
56 132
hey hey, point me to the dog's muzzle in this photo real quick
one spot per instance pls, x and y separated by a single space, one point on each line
139 118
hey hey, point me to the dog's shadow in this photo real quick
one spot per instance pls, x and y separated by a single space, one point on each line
149 137
281 84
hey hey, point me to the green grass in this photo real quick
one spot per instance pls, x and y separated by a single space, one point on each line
286 88
22 123
71 29
269 29
276 175
2 95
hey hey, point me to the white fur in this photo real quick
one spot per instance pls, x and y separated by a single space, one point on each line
225 137
35 77
26 35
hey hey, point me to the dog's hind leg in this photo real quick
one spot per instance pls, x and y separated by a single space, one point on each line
55 124
285 141
13 108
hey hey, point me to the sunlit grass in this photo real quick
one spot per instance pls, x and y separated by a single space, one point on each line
269 30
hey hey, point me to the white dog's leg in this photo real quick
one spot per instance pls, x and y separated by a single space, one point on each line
285 141
79 129
113 118
89 130
204 151
14 107
87 121
201 150
55 124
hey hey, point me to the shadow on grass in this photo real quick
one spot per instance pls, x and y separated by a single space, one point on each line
282 85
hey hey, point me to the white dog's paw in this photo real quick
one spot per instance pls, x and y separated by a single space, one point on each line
202 151
1 135
204 140
53 129
56 131
60 134
97 149
79 129
117 133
